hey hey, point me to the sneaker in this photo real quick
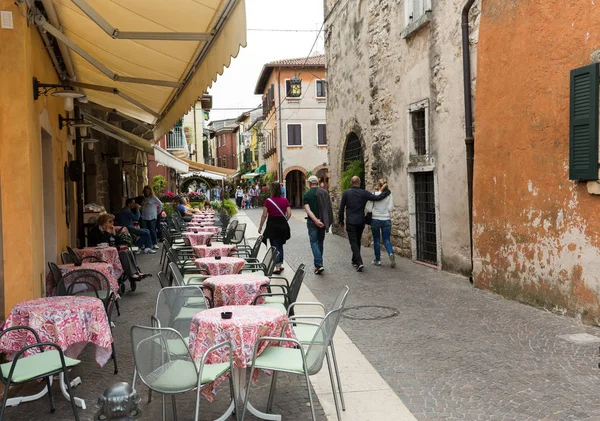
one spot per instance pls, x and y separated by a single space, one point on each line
155 247
392 261
150 251
319 270
376 262
360 268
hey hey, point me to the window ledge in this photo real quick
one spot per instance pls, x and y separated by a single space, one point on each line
412 28
294 146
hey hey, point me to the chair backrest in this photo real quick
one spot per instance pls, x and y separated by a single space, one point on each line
66 258
176 277
55 271
152 356
256 248
296 284
83 281
269 260
176 306
315 352
74 256
162 278
238 234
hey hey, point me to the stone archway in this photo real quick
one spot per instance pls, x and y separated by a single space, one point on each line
295 184
353 157
322 173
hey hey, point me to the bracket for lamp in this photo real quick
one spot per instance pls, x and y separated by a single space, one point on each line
74 122
40 88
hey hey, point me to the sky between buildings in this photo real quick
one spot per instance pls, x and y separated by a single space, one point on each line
235 88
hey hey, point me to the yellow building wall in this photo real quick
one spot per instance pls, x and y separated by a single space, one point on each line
23 56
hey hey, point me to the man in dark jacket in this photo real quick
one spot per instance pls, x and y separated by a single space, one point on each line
317 206
353 203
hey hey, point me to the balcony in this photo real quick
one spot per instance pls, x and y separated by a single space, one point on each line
176 141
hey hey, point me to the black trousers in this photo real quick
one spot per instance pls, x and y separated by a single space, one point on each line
354 236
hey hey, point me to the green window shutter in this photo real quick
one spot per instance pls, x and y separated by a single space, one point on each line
583 147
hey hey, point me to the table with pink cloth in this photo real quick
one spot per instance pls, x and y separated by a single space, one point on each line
222 250
71 322
196 238
222 266
106 269
246 326
236 290
211 229
108 254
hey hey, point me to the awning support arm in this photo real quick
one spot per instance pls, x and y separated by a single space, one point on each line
44 24
153 36
116 92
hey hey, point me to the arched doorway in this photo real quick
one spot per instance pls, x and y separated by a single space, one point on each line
295 182
353 161
195 184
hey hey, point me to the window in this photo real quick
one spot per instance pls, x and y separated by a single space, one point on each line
294 132
321 89
321 134
415 9
418 128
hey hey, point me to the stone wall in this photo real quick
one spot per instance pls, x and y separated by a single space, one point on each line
374 75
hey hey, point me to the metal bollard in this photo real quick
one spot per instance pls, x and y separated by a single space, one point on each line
118 403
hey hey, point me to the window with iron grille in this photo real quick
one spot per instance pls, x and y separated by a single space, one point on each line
426 235
321 89
419 131
294 135
353 151
321 134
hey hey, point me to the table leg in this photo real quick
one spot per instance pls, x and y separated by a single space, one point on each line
63 388
20 399
240 382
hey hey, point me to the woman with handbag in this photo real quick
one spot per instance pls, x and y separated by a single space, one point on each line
381 223
276 211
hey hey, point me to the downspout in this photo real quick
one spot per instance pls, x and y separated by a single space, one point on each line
469 139
281 180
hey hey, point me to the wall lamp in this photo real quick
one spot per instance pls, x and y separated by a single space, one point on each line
114 157
79 123
62 91
90 143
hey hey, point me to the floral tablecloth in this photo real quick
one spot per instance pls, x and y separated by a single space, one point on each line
247 324
236 290
70 322
222 250
211 229
108 254
196 238
106 269
223 266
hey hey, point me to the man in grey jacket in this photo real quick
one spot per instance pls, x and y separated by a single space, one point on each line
353 203
319 219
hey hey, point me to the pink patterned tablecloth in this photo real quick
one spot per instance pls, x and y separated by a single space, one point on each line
223 266
211 229
108 254
236 290
196 238
222 250
105 268
247 324
70 322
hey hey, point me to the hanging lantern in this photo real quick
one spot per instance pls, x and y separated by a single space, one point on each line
295 87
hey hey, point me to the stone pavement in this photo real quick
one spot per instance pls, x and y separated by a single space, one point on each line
454 352
291 399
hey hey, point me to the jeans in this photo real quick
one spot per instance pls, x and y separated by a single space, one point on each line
381 232
279 247
144 241
316 236
150 225
354 236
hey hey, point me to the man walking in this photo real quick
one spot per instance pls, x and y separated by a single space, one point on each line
353 203
317 206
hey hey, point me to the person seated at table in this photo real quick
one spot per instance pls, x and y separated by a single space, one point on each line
190 208
104 232
207 207
183 210
126 218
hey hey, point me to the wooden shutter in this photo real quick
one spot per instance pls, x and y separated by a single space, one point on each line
294 134
583 146
322 134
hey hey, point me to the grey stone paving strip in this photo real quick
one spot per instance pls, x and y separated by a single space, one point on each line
455 352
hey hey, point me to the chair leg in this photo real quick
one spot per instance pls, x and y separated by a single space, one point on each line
272 392
310 399
4 400
50 395
197 413
248 393
114 357
337 375
68 383
117 307
149 395
174 404
337 407
164 407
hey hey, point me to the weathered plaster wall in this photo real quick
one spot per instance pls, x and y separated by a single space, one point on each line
374 75
536 233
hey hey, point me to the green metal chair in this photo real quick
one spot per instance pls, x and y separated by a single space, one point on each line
282 300
180 280
298 360
171 373
42 365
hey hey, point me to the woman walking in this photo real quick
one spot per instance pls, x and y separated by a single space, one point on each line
151 208
276 212
381 224
239 196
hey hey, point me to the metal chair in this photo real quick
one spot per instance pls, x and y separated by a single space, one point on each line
282 300
180 280
250 254
239 235
169 373
42 365
267 266
220 237
66 258
297 360
77 261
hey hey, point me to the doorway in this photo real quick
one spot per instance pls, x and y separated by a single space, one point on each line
49 221
426 229
295 183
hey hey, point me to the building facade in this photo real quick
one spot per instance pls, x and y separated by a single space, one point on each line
395 108
294 130
226 140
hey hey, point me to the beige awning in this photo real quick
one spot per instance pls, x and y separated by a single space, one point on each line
196 166
157 56
165 158
119 134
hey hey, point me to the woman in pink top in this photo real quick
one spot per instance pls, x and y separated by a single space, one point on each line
276 211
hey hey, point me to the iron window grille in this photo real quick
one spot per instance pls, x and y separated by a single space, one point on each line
426 234
418 120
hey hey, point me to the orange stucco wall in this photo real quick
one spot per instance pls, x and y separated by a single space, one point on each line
23 56
536 234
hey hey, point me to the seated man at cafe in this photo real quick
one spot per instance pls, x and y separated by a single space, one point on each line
189 207
183 210
127 218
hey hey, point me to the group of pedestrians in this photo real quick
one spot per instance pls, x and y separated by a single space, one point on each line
247 199
319 215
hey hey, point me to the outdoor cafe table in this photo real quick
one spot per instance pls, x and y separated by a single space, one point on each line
211 229
222 266
222 250
107 254
237 290
71 322
196 238
246 326
106 269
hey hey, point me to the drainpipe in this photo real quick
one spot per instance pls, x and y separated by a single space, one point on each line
469 139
